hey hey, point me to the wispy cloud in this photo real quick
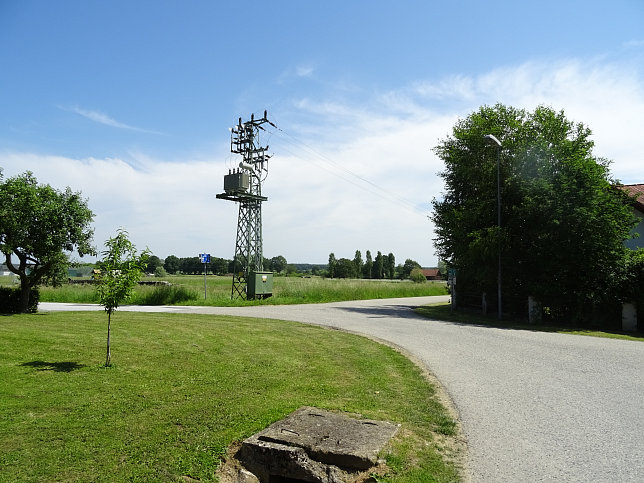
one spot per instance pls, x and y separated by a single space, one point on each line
103 118
633 44
304 70
332 156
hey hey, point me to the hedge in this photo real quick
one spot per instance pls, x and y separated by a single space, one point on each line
10 300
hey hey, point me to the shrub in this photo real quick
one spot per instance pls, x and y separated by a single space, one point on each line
160 272
417 276
10 300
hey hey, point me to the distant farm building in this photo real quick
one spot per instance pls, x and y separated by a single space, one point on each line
432 273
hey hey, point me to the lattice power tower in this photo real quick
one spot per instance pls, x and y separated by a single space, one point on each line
244 186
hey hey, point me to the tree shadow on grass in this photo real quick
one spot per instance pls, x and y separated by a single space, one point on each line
53 366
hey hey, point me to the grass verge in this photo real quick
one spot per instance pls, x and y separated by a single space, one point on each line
443 312
189 290
185 387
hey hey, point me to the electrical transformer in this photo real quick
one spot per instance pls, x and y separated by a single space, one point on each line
238 182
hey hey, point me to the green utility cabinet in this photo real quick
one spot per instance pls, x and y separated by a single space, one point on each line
260 285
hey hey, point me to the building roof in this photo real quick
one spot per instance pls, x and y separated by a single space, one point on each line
636 190
430 272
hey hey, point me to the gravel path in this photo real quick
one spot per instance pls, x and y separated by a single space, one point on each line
534 406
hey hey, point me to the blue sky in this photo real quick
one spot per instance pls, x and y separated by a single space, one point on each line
130 102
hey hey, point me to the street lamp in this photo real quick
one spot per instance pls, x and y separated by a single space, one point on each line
491 139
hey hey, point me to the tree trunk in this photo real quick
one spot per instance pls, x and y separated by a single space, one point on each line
108 357
25 295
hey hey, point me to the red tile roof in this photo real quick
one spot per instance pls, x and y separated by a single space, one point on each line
635 190
431 272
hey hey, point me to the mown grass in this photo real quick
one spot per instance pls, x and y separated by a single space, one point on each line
444 312
189 290
182 388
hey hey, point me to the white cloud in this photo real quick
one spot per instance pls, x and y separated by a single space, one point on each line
316 205
170 207
608 98
305 70
634 44
102 118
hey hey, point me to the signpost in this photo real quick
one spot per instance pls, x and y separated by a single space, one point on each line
451 282
205 259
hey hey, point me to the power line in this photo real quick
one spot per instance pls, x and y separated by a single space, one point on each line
342 172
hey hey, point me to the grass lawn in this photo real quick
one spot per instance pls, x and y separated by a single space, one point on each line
443 312
185 387
189 290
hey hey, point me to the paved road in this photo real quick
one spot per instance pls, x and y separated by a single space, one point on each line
534 406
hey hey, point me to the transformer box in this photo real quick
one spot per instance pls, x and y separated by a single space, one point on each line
237 182
260 285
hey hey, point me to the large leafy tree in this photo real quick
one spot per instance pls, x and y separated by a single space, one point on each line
154 263
408 267
120 271
191 265
345 268
171 264
278 264
39 228
562 222
219 266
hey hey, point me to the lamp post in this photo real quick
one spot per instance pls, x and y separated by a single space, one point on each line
491 139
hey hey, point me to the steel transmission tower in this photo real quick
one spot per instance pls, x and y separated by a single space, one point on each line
244 186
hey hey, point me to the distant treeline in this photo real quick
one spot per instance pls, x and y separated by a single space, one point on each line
380 267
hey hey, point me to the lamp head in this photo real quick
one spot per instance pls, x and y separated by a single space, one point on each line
491 139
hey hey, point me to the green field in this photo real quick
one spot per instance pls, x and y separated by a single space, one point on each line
189 290
182 388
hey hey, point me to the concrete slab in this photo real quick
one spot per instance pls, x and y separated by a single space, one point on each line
316 445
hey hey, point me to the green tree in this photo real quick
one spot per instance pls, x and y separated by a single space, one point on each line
379 266
345 268
562 222
191 265
442 268
390 265
154 262
277 264
172 264
408 267
368 266
357 261
332 264
399 271
235 265
40 226
219 266
120 271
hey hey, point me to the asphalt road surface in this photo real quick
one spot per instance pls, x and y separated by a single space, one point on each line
534 406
